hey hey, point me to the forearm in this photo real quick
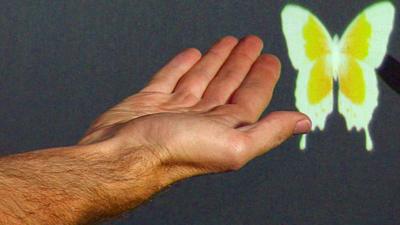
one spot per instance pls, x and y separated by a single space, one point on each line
75 185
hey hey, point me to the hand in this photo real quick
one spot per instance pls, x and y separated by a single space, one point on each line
199 113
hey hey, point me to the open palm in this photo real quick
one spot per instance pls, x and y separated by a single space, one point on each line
200 113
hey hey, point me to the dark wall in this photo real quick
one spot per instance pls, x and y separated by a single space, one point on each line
62 63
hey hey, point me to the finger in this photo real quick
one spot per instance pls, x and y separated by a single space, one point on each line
233 71
272 130
165 79
198 77
255 92
253 95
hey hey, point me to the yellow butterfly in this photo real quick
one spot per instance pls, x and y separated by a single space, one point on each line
350 60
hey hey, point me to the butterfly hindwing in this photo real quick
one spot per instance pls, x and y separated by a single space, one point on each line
314 93
358 95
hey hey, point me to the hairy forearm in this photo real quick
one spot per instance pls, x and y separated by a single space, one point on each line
75 185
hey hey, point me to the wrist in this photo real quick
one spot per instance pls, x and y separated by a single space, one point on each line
127 174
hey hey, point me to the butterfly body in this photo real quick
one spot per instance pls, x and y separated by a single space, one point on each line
350 60
336 56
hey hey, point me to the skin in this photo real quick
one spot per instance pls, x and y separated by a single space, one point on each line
198 115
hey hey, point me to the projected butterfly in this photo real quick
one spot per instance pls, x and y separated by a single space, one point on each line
350 60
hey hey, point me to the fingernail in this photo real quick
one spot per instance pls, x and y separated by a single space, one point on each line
302 126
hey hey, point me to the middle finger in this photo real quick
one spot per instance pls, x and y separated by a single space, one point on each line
232 72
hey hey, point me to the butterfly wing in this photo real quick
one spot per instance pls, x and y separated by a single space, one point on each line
308 45
367 36
363 47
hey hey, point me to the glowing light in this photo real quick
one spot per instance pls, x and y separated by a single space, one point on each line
350 60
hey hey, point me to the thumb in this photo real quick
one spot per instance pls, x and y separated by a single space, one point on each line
274 129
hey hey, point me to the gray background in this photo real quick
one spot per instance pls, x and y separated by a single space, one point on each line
65 62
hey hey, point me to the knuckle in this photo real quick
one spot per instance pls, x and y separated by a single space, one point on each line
275 74
216 54
245 114
238 145
272 65
281 133
190 98
201 73
201 106
233 75
244 57
252 85
214 101
186 98
279 138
